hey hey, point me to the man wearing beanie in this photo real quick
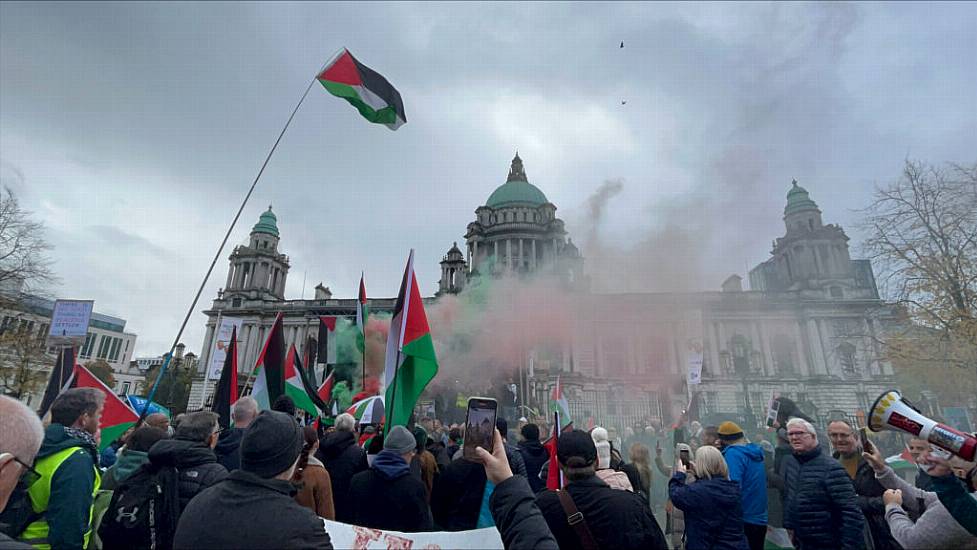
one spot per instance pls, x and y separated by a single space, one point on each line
387 496
254 506
745 462
615 519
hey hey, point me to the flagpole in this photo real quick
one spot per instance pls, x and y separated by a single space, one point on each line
220 249
210 358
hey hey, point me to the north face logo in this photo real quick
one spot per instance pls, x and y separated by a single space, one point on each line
191 473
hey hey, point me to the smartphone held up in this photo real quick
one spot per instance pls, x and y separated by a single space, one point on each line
479 425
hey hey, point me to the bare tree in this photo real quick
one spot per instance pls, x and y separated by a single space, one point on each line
24 265
22 361
923 241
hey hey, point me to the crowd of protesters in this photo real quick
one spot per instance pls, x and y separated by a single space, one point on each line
269 482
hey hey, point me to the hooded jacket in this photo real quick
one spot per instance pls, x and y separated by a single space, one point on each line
820 504
343 459
196 463
72 488
713 512
246 511
746 468
228 449
457 496
387 497
534 455
128 462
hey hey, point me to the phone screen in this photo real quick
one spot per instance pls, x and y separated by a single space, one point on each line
479 425
863 436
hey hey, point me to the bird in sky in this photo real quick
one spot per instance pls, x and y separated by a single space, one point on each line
624 102
622 44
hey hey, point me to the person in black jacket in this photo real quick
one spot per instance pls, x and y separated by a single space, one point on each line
616 519
533 455
191 452
254 506
457 496
868 490
387 496
343 459
712 507
821 509
228 449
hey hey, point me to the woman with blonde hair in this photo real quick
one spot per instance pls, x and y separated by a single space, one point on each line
713 512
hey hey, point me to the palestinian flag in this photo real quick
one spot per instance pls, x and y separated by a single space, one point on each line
367 90
410 358
554 476
558 404
117 417
362 312
60 376
226 392
297 385
325 389
326 346
269 382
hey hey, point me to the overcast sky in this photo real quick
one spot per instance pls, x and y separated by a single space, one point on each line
133 131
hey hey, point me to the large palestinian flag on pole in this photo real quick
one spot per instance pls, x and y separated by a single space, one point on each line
60 377
410 359
117 417
226 392
362 312
269 382
367 90
298 386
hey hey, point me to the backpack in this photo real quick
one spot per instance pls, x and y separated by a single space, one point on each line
19 512
143 511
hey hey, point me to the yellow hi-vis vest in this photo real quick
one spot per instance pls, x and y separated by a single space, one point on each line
36 533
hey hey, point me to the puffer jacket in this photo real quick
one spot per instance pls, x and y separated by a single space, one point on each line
518 519
934 529
343 459
820 505
195 462
713 512
746 468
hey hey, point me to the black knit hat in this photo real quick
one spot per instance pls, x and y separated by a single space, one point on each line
576 444
271 444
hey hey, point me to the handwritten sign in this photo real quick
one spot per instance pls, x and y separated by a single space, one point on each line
69 322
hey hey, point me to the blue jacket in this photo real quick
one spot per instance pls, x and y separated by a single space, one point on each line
746 468
713 514
821 506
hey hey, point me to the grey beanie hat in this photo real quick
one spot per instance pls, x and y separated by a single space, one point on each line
400 441
271 444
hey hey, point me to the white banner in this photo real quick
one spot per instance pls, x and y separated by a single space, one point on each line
693 346
69 322
695 368
222 339
364 538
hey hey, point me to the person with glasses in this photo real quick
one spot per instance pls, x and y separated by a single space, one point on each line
21 434
821 509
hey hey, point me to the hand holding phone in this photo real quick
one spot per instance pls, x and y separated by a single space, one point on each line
863 436
479 426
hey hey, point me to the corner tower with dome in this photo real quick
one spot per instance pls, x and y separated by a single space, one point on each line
515 231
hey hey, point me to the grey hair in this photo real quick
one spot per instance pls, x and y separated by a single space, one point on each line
709 463
808 427
21 432
244 410
197 426
345 423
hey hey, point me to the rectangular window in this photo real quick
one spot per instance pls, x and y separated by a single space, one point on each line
125 387
114 353
86 350
103 347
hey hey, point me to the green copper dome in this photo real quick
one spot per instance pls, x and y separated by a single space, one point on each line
516 189
798 200
267 223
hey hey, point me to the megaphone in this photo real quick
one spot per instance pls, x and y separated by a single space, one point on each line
892 412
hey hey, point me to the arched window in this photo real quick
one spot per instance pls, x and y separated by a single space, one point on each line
847 358
741 353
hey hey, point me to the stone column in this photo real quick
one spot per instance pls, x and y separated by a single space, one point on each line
208 346
820 365
767 353
805 361
758 346
533 262
522 257
230 277
508 254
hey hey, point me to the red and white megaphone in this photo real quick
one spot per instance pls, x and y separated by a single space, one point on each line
892 412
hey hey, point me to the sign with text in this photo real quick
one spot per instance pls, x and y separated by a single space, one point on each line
693 344
69 322
222 339
363 538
